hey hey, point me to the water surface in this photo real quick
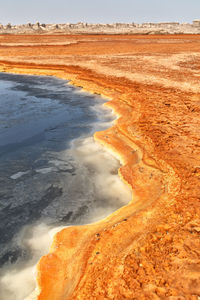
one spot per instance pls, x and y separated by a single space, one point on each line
51 171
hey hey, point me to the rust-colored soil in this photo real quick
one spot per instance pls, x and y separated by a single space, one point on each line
149 249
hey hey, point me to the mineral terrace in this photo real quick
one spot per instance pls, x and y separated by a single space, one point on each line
149 249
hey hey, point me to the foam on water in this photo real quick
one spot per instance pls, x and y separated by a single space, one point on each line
109 190
19 280
18 175
86 189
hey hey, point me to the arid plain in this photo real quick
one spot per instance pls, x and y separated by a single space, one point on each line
149 249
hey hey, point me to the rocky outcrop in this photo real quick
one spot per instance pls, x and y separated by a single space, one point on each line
115 28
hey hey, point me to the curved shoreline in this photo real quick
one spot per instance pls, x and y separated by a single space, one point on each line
84 232
140 251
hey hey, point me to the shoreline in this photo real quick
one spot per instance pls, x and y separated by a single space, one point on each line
98 140
141 249
93 227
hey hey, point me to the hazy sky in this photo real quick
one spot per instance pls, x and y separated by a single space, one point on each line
101 11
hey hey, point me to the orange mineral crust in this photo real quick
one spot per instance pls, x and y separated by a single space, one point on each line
150 248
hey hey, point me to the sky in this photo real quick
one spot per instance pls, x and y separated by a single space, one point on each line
98 11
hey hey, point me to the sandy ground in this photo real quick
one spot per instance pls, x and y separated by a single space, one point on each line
149 249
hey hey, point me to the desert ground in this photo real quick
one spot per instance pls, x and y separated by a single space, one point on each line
150 248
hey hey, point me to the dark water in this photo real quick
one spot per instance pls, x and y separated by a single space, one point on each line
39 117
51 171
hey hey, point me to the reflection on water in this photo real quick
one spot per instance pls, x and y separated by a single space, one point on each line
51 172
